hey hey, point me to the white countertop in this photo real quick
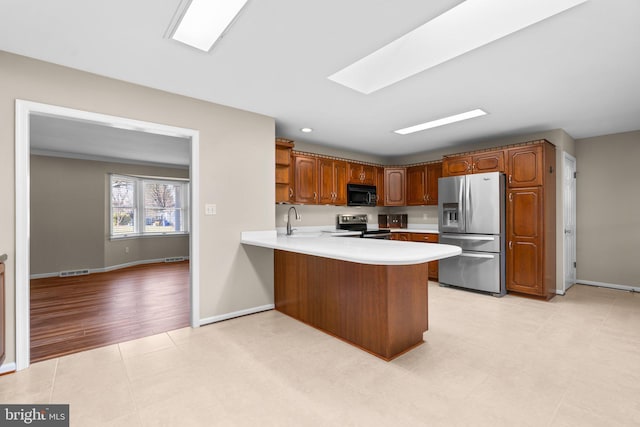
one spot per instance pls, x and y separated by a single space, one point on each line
363 251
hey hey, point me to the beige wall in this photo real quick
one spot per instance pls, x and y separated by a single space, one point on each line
608 209
236 156
70 209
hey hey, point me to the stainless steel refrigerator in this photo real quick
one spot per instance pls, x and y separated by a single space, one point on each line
471 214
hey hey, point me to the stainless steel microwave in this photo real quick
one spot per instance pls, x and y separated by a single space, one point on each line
361 195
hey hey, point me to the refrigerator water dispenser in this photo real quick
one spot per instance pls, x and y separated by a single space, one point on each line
450 215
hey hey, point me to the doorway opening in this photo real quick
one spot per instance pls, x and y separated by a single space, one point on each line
569 220
25 112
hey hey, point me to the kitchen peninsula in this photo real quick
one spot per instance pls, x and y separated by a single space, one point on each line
370 293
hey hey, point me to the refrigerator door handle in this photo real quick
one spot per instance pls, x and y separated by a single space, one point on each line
486 238
461 207
468 208
477 256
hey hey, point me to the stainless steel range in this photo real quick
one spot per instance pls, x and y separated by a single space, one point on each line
358 222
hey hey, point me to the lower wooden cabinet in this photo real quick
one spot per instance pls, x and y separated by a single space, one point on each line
421 237
427 238
531 242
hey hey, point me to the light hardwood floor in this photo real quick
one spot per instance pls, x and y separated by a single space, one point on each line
72 314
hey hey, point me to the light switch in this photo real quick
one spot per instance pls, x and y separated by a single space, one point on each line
209 209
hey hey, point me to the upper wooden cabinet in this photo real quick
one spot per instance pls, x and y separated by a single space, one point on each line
434 173
525 166
416 188
362 174
459 165
332 182
284 171
305 179
380 186
394 187
422 184
489 161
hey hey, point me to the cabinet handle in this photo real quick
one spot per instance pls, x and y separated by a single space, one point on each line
315 195
290 192
510 178
511 197
510 245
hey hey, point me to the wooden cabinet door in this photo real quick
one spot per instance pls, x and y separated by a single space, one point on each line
416 191
305 173
460 165
394 187
380 186
332 182
524 240
362 174
427 238
326 181
525 166
492 161
368 175
434 172
340 189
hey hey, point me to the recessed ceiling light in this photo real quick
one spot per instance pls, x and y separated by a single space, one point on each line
306 130
468 26
441 122
205 21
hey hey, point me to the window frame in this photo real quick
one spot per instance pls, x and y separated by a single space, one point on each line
139 208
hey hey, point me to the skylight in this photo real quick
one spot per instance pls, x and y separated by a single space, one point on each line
205 21
468 26
441 122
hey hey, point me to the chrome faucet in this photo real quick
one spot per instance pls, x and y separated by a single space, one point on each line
289 229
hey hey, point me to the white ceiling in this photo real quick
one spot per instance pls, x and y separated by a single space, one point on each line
577 70
56 136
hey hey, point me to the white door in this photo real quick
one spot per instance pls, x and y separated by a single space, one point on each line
569 222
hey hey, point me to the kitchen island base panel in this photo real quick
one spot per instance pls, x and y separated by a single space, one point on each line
379 308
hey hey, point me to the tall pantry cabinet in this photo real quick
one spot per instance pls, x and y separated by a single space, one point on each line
531 210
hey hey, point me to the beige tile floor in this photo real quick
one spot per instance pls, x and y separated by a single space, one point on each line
574 361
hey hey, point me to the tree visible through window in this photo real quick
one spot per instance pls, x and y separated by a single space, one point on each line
162 203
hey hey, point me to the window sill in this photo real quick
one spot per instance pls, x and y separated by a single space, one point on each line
147 235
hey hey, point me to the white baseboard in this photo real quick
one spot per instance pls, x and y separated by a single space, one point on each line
7 367
105 269
227 316
609 285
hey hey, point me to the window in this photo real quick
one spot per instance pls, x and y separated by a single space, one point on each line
148 206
